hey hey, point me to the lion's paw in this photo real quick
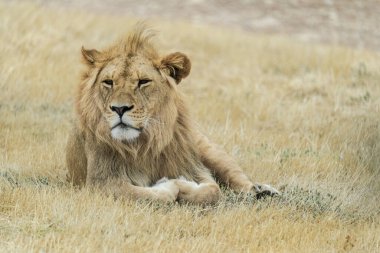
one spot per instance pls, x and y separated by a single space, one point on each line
166 190
263 190
183 181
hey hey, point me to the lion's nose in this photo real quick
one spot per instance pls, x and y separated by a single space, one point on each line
120 110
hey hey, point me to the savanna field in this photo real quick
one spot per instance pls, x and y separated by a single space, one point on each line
303 117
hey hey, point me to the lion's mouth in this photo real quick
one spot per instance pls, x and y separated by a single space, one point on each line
126 126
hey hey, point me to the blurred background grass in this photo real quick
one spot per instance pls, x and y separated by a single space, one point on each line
298 112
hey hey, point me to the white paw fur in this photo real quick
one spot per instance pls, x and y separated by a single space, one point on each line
166 189
192 184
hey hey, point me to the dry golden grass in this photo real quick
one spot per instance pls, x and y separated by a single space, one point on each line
302 117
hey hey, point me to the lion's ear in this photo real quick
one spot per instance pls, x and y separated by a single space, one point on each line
90 56
177 65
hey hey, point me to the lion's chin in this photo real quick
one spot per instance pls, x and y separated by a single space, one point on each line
121 133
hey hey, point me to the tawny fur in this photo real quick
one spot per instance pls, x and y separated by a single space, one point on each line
169 145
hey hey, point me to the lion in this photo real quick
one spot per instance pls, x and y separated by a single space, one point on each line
133 135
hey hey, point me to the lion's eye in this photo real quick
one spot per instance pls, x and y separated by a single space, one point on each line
143 82
108 82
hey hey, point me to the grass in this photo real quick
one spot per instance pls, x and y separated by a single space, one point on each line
302 117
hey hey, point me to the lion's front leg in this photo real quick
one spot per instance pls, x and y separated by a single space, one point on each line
107 175
205 192
163 191
225 168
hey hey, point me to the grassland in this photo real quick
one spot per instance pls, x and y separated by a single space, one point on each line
302 117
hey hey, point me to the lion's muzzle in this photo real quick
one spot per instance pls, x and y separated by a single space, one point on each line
122 125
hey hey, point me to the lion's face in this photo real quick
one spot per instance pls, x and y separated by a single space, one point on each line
132 88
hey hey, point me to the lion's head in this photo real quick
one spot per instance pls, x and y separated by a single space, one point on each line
129 91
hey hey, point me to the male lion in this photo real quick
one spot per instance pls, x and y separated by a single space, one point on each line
134 137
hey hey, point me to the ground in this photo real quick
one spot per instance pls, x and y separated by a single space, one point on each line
301 116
